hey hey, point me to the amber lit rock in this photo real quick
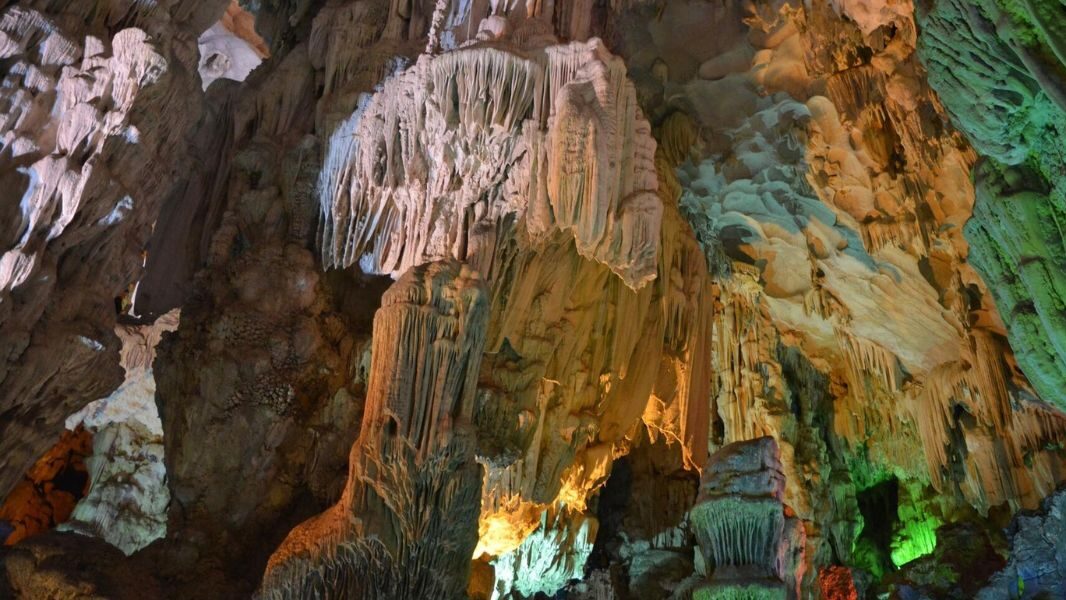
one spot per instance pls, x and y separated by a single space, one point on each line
406 524
48 492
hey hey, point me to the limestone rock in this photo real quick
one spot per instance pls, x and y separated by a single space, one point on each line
49 491
687 224
406 524
231 49
739 522
1036 564
85 176
549 558
68 565
127 499
1016 126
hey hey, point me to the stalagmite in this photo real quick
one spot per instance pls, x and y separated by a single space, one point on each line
739 522
406 524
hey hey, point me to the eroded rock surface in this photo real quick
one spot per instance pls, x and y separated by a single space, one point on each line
406 524
999 68
87 159
1036 565
626 235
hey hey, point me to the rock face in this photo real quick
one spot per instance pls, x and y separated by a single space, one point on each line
406 524
1036 565
86 163
67 565
511 298
1010 58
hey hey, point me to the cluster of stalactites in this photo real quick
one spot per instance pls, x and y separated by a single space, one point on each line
429 166
84 84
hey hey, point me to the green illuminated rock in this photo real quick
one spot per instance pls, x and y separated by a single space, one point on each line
740 591
550 557
915 533
999 66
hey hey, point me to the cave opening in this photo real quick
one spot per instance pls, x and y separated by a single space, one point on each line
879 507
611 505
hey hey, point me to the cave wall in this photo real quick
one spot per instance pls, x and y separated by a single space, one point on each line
87 164
999 66
693 224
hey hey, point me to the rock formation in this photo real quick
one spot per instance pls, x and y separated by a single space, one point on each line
739 522
507 298
1010 58
87 161
1035 564
127 500
406 524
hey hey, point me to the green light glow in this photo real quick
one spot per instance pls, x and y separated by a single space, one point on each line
740 591
915 534
914 540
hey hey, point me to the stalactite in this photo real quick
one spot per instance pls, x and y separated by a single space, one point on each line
83 95
719 224
394 166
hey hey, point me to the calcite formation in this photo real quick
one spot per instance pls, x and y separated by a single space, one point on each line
406 524
435 162
999 66
739 521
231 48
127 499
526 298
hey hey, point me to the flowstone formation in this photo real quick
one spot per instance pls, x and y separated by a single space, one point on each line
520 298
127 498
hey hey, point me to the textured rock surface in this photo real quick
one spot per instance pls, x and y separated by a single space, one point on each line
1036 565
689 225
68 565
86 167
1000 69
446 151
739 522
406 524
127 500
231 48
